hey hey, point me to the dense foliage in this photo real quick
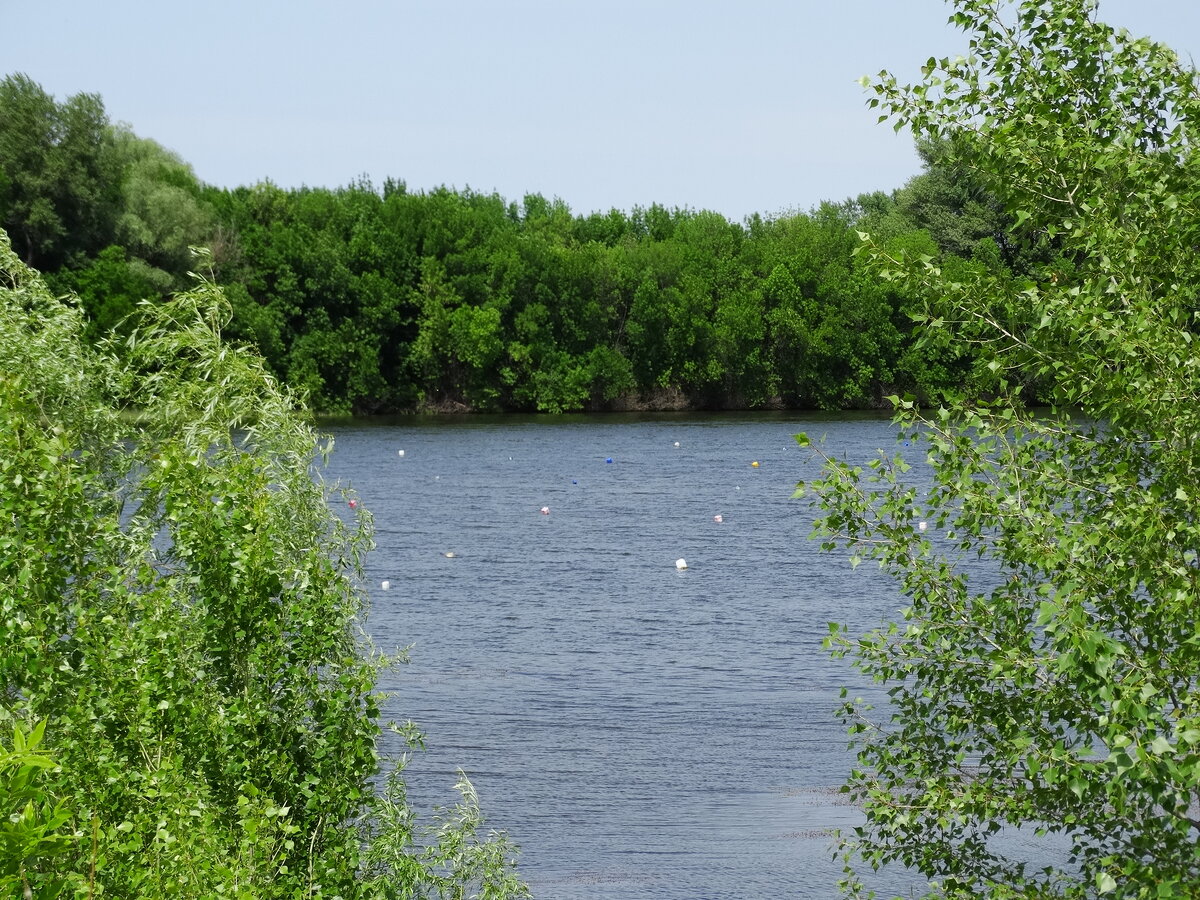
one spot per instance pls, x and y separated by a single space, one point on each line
191 701
380 299
1044 676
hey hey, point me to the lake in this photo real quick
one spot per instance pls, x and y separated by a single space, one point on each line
639 730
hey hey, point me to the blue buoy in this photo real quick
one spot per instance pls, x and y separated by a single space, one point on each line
608 460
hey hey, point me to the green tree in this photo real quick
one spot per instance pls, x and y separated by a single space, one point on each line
58 182
162 212
179 602
1053 689
33 824
323 284
949 203
110 287
831 329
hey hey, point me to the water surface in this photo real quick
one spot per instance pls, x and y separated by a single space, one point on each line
639 730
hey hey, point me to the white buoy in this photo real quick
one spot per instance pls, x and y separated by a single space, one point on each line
921 526
449 554
717 518
386 585
681 563
400 452
677 443
545 510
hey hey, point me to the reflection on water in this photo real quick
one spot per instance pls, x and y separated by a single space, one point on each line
640 730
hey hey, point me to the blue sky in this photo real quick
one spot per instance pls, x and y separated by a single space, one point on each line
742 107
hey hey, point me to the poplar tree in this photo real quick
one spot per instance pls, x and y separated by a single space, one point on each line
1043 671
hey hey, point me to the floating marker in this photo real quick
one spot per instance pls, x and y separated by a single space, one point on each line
717 518
754 465
449 554
573 481
681 563
608 460
677 443
921 526
400 452
545 510
354 504
386 585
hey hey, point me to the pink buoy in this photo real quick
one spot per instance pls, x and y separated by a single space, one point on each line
354 504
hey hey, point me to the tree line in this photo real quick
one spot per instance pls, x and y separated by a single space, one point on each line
372 299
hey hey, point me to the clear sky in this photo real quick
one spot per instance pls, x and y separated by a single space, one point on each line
738 106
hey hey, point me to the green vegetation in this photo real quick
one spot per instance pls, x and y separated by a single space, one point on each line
179 612
370 299
190 702
1059 695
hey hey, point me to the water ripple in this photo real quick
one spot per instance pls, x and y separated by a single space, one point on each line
639 730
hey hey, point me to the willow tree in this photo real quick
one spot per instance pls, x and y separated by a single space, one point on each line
1043 673
180 615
